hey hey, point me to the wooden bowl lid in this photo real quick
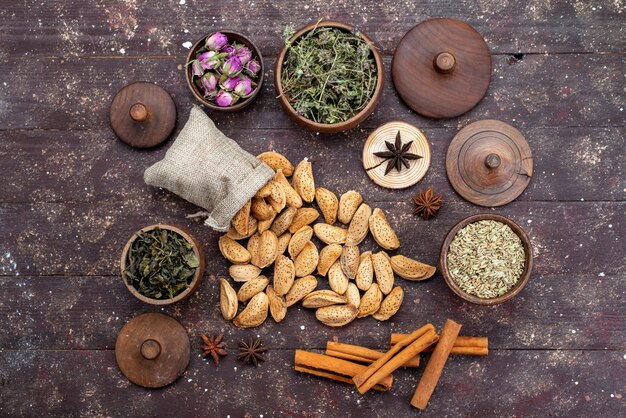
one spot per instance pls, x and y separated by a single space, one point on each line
376 142
152 350
441 68
143 115
489 163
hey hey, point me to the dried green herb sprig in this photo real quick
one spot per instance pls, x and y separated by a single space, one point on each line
328 75
160 263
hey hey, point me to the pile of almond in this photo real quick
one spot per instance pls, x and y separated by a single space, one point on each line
275 221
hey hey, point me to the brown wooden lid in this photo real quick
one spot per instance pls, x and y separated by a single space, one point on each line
489 163
143 115
441 68
152 350
407 176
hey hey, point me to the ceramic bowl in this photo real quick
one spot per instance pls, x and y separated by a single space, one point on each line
197 249
232 37
528 265
335 127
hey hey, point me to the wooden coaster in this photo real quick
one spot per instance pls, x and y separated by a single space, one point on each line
143 115
441 68
152 350
489 163
376 142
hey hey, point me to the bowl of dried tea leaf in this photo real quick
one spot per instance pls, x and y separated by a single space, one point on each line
328 76
486 259
162 264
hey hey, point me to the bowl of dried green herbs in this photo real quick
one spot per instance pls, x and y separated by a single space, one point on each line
328 76
486 259
162 264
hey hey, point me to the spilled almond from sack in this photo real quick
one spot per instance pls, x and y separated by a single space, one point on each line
261 210
228 300
410 269
307 260
282 222
321 298
328 203
283 242
292 198
278 307
277 161
301 287
365 272
328 256
303 217
303 181
330 234
383 271
253 248
252 228
284 275
241 219
390 305
233 251
244 272
348 204
268 248
353 295
382 231
251 288
350 257
336 315
254 313
370 302
337 280
359 225
299 240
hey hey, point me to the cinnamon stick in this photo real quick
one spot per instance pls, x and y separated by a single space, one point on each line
385 369
362 377
435 365
361 354
461 341
333 368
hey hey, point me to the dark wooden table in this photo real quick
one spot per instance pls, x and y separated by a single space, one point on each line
71 194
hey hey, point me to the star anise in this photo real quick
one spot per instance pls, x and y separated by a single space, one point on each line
428 204
213 346
251 352
397 155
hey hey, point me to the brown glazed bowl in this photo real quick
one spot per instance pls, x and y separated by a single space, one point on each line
334 127
197 249
232 36
528 265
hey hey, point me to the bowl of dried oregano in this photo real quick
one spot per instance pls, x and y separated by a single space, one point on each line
486 259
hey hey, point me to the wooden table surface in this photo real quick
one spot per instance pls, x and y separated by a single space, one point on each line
71 194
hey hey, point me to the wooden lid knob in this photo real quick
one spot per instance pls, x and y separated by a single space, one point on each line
444 62
150 349
492 161
139 112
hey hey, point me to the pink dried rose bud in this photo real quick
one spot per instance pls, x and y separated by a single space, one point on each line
231 67
228 84
253 67
196 68
209 84
210 60
216 41
229 50
244 54
243 88
225 99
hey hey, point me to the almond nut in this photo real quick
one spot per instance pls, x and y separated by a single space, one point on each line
299 240
307 260
283 242
410 269
336 315
240 220
359 225
382 231
276 162
321 298
252 228
337 280
348 204
268 248
353 295
390 304
261 210
328 256
284 275
228 300
370 302
253 248
278 307
292 197
328 204
383 271
303 181
282 222
233 251
365 272
301 287
255 313
278 197
251 288
350 258
304 216
244 272
264 191
266 224
330 234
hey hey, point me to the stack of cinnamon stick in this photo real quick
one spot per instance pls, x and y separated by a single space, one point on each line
345 362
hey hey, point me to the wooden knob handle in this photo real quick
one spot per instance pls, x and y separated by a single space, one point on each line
492 161
150 349
139 112
444 62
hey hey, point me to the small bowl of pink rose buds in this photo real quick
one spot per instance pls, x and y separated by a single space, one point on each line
224 71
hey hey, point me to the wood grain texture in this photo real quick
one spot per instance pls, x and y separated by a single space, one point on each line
72 195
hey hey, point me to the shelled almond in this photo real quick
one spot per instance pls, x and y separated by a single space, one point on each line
279 226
